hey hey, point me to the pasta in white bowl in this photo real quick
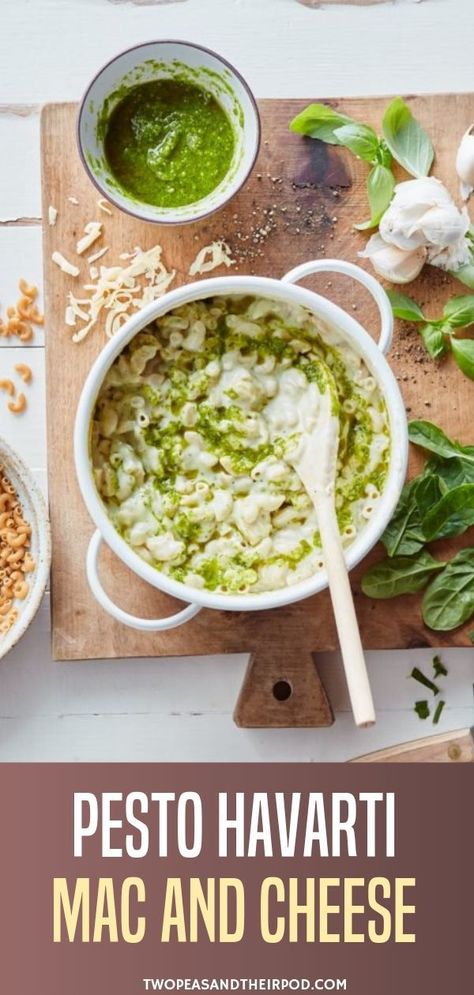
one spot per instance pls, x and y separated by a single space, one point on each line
196 412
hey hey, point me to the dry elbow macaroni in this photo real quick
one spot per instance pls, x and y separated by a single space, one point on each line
192 435
15 558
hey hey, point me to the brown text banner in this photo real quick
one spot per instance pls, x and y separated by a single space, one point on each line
122 879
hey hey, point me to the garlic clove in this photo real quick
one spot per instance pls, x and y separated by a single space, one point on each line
392 263
425 192
465 163
401 231
444 226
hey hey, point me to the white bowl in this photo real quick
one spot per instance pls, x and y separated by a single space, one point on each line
163 60
333 316
35 512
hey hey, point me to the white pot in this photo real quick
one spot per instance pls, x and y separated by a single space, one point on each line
346 326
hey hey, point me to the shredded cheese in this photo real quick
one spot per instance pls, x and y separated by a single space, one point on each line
92 231
52 215
118 290
73 200
210 257
104 206
97 255
64 264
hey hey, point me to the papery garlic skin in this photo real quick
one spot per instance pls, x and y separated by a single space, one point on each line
394 264
465 163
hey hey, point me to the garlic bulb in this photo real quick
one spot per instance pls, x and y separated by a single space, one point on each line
392 263
465 163
423 212
423 215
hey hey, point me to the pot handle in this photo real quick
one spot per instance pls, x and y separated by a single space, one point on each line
369 282
144 624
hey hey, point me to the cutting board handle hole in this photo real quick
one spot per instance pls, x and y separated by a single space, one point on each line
282 690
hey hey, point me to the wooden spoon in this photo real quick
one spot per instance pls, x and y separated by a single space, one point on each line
315 462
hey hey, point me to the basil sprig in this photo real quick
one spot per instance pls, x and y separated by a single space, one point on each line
436 504
439 336
403 139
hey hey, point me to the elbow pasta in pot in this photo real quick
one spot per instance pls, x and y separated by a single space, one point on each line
192 436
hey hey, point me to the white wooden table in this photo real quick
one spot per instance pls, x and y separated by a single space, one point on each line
182 709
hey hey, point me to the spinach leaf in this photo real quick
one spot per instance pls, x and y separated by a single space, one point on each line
449 600
403 307
320 121
404 534
380 186
451 515
406 139
399 575
434 340
463 352
459 311
452 472
428 436
360 139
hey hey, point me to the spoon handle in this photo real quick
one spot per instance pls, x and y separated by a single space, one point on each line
344 613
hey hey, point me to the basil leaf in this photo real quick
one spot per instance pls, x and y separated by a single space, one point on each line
465 274
459 311
384 155
434 340
380 184
403 307
360 139
449 600
428 436
399 575
463 352
320 121
451 515
406 139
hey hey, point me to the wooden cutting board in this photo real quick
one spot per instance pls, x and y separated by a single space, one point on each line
447 747
300 203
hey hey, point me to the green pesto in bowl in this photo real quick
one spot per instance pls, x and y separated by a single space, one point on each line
169 142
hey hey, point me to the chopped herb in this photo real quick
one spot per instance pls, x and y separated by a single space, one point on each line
425 681
422 709
439 668
437 714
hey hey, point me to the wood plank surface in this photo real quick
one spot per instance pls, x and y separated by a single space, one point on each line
306 196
